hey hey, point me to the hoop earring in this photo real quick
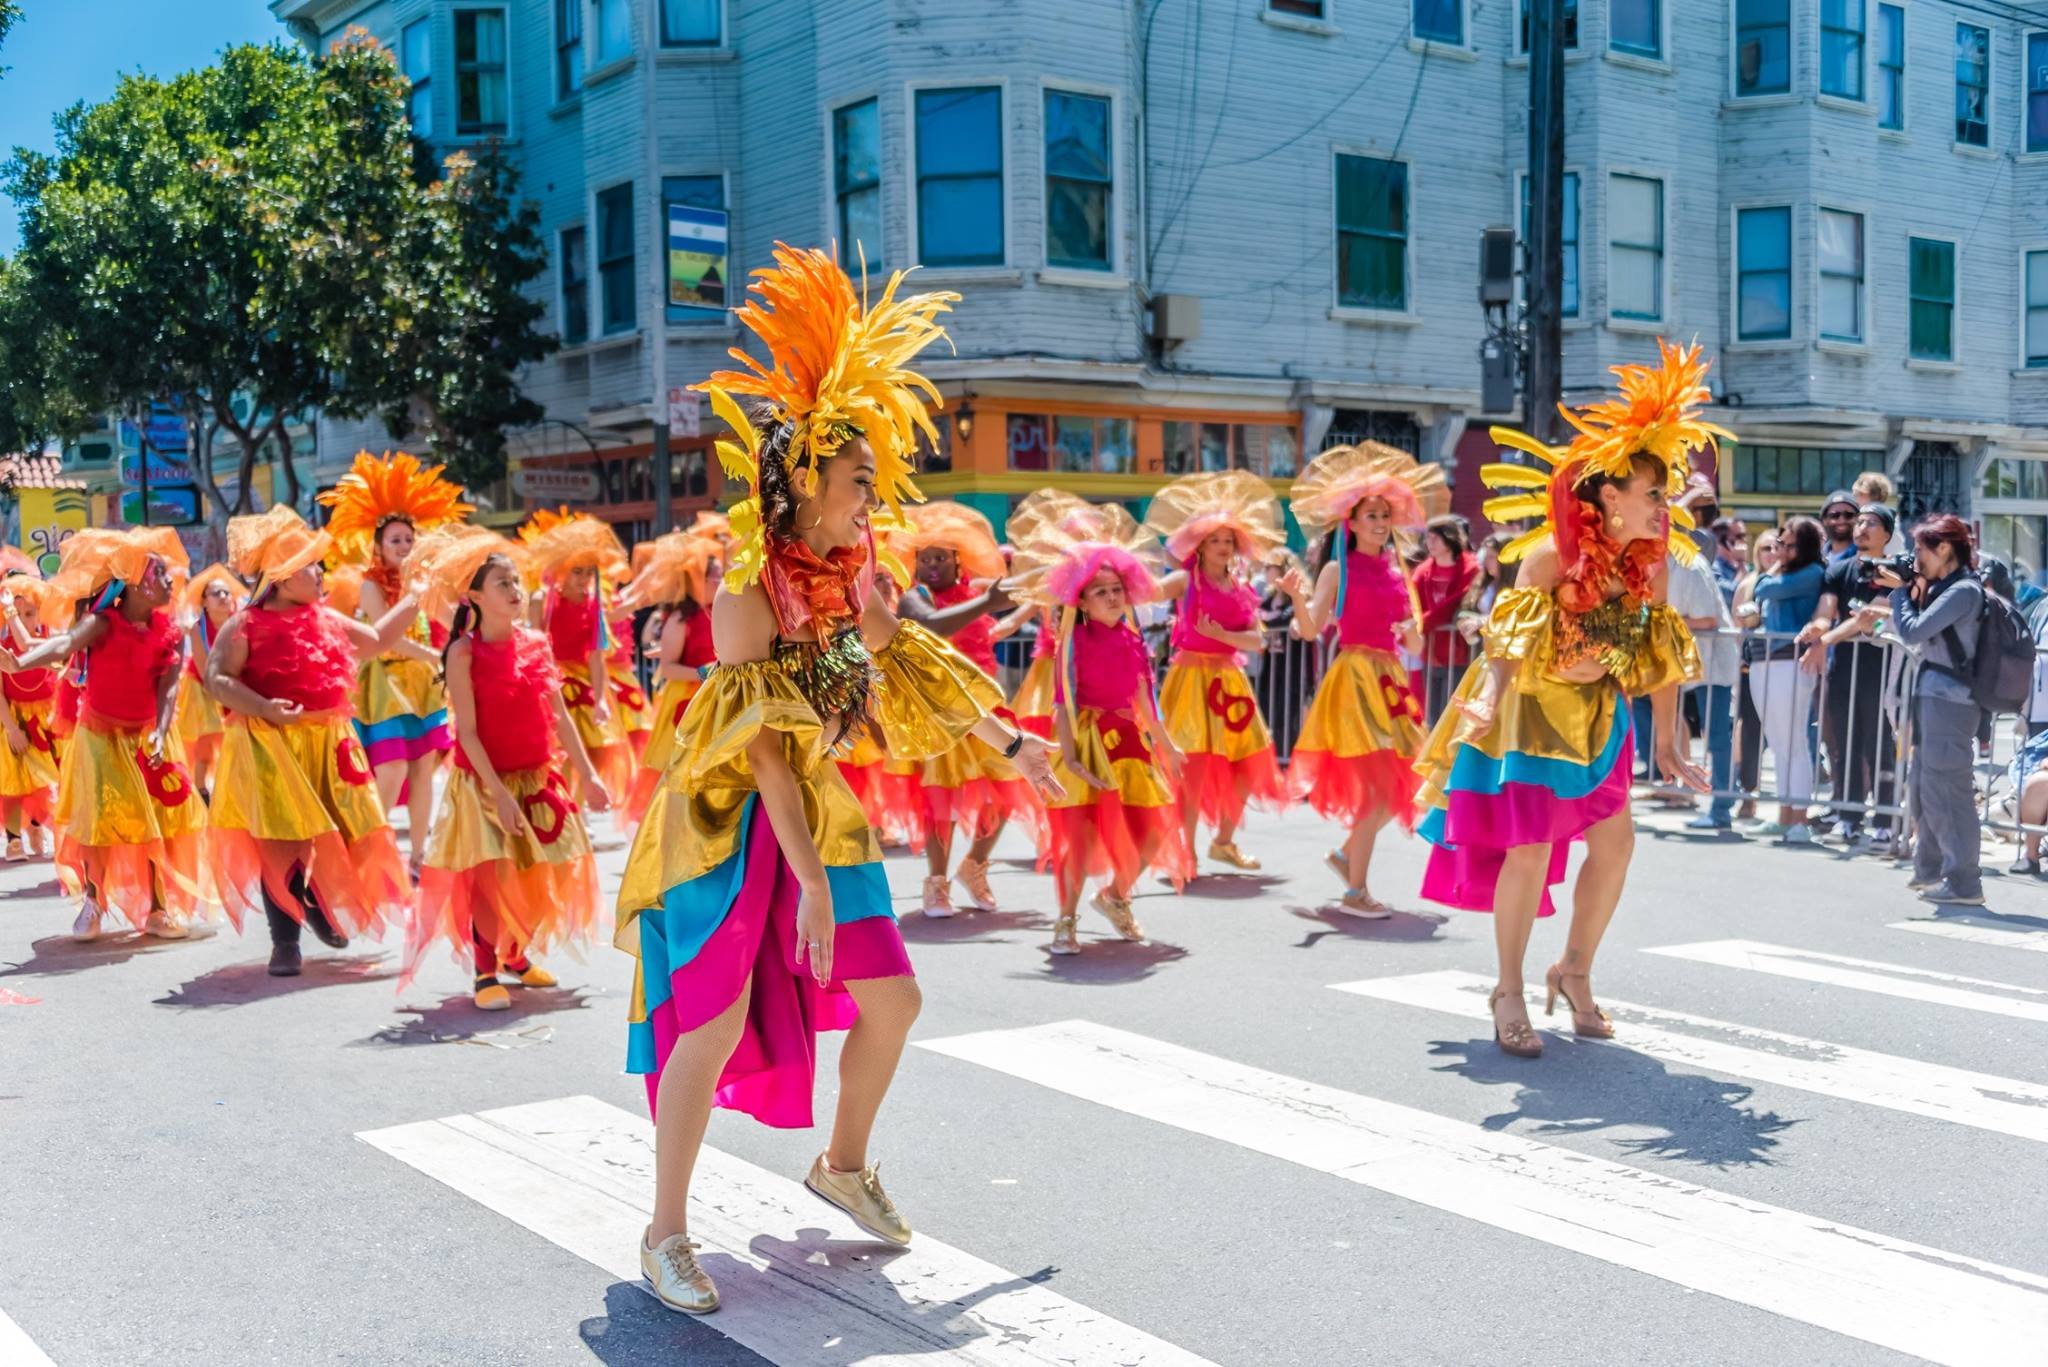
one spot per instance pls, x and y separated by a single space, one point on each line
814 522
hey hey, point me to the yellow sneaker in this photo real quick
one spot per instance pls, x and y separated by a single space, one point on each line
1117 911
493 996
533 976
1227 852
973 876
671 1269
860 1195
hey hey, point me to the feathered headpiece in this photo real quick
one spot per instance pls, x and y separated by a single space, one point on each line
271 546
837 369
1186 512
544 520
576 541
1656 413
1058 554
22 587
394 487
107 558
674 566
958 528
445 562
1341 478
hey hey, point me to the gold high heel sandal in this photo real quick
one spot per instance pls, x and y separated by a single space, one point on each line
1520 1038
1593 1023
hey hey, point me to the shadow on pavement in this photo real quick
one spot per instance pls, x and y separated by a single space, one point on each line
1984 916
240 984
1233 887
49 887
458 1021
1105 961
1582 1090
1403 927
636 1330
969 927
60 954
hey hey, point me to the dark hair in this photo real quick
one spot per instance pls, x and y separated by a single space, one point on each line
778 497
466 615
1454 531
1504 571
1723 529
1997 576
1807 543
1950 530
1588 489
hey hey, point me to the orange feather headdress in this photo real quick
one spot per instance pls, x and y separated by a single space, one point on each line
446 561
671 567
838 368
393 487
957 527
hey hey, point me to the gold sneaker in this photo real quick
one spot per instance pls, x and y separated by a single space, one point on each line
1227 852
671 1269
973 876
1117 911
860 1195
533 975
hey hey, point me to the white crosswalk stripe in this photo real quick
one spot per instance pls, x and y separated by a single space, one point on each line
17 1349
1978 931
798 1282
1868 975
1942 1306
1980 1100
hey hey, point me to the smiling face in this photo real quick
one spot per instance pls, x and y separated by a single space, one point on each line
1840 521
394 544
1634 509
1767 552
298 589
1217 551
1372 525
838 515
938 567
1104 600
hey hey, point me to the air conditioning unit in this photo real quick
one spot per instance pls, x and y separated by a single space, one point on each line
1176 318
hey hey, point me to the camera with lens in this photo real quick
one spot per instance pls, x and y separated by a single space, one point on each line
1902 564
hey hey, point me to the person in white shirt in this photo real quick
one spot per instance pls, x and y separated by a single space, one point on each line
1696 597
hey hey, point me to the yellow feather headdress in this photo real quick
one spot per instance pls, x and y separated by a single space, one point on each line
1655 413
380 489
837 369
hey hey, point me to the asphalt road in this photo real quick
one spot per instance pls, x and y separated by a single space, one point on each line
1197 1138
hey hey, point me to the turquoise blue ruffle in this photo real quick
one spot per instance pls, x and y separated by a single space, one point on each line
404 726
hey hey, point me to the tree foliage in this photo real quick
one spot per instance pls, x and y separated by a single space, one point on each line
253 238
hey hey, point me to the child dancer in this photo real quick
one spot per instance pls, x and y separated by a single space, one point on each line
381 506
1215 526
1354 760
1118 815
959 572
28 759
678 576
211 599
298 833
508 870
572 558
129 819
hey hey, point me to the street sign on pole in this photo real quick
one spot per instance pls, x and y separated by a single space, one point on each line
683 413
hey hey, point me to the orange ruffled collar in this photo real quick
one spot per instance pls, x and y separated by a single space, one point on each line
821 592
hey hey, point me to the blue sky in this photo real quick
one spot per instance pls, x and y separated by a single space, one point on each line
64 51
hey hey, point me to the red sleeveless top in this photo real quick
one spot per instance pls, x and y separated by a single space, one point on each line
513 683
301 655
572 627
697 648
122 670
972 640
30 685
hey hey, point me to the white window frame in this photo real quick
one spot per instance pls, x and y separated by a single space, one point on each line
1409 314
1566 321
724 43
1613 321
1955 331
1990 90
1661 62
555 8
1443 46
1864 299
595 59
590 334
1827 97
2027 35
426 23
829 111
2038 248
504 11
1905 68
599 331
1791 90
1118 273
1009 269
736 276
1325 27
1736 341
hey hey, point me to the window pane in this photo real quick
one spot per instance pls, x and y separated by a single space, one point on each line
1570 301
856 145
1372 195
1933 273
1973 85
1841 309
1635 26
1763 47
1839 249
1841 242
1283 453
2037 308
1441 20
1177 447
1215 448
1745 468
2037 92
860 229
421 109
1076 136
699 192
960 222
1635 210
1636 283
1841 65
615 222
575 289
1075 440
1115 453
1931 329
1076 224
1766 304
1030 441
958 132
1371 272
416 50
689 21
1765 239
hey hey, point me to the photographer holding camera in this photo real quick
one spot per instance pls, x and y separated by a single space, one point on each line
1839 642
1938 613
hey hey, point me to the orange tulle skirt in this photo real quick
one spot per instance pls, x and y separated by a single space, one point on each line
973 787
1355 757
28 781
669 705
1213 717
1117 832
130 824
888 792
297 800
533 889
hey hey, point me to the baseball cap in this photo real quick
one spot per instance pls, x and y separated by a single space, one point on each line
1838 496
1883 514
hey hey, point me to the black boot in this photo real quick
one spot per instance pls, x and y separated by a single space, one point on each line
324 930
284 941
284 959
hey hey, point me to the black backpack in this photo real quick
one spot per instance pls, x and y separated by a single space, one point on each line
2001 676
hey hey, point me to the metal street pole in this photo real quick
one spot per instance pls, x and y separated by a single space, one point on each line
657 317
1545 243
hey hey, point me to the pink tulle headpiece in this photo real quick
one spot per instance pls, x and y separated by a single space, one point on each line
1399 495
1069 579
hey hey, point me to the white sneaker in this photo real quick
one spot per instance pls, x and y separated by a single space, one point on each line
938 898
15 853
163 926
1801 834
87 927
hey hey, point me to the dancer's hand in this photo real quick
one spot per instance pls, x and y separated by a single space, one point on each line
1072 760
1478 713
1034 761
1294 583
511 819
17 739
282 711
1677 768
814 931
601 710
595 795
1172 760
